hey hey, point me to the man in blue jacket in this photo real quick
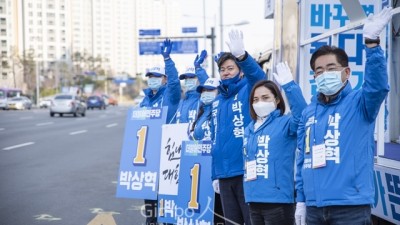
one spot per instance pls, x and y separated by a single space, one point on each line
192 76
229 116
164 89
334 180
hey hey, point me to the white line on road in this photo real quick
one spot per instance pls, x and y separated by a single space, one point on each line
78 132
112 125
44 124
26 117
18 146
2 129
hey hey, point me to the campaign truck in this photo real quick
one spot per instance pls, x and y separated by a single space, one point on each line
303 26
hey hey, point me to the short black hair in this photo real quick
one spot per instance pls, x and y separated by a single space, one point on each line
339 53
226 56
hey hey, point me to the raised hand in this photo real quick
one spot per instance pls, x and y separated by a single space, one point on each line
374 24
200 59
166 49
235 43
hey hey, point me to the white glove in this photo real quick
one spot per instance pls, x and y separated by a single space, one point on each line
215 185
283 75
235 43
300 214
374 24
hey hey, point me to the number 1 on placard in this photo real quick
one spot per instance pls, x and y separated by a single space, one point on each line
194 190
141 135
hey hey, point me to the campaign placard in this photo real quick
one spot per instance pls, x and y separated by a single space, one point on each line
170 158
196 195
140 157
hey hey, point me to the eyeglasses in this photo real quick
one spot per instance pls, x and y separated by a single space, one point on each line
320 71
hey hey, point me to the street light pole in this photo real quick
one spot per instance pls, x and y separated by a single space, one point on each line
37 83
221 26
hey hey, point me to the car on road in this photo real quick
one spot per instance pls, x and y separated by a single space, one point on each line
45 103
95 101
110 100
67 104
19 103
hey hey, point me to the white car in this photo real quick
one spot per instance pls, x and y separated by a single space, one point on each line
45 103
19 103
67 104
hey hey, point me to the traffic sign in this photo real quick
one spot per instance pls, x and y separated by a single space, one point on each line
178 47
150 32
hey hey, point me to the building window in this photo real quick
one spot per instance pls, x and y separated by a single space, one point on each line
4 76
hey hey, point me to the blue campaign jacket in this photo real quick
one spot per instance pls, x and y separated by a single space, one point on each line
189 105
346 126
273 145
202 129
229 116
168 95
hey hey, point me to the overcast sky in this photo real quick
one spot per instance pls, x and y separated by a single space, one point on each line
258 34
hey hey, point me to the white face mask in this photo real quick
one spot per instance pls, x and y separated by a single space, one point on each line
263 109
154 83
190 84
207 97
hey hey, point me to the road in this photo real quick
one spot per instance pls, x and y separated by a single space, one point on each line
63 170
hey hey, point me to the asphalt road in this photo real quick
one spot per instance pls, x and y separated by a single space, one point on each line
63 170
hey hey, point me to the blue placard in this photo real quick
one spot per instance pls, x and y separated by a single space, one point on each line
140 158
189 29
196 194
149 32
178 47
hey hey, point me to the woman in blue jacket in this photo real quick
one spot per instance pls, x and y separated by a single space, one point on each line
269 149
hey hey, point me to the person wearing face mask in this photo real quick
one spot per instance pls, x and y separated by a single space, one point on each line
269 147
193 76
334 176
229 116
200 130
164 89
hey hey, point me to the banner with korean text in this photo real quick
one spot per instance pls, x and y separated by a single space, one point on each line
195 191
170 159
140 156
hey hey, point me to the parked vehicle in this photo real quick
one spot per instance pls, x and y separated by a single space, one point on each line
95 101
8 93
67 104
19 103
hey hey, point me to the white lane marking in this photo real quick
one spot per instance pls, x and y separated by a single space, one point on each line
78 132
46 217
2 129
26 117
112 125
44 124
18 146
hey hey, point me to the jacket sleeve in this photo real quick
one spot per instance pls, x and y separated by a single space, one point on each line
201 75
252 71
299 162
375 86
297 104
173 84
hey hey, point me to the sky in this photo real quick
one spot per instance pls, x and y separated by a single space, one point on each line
257 33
